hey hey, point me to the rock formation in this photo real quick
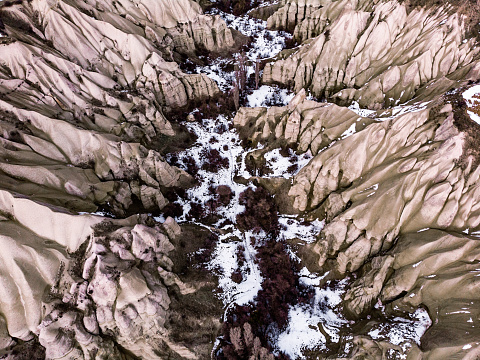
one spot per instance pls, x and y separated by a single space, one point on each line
72 279
305 124
77 112
83 92
376 55
88 91
380 189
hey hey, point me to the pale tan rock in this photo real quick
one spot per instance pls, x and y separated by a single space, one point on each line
307 124
291 12
347 58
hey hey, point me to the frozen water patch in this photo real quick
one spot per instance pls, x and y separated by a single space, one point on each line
303 331
472 98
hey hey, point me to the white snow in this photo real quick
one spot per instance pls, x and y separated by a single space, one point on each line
472 97
225 256
294 228
281 166
402 331
394 111
304 321
350 131
355 107
214 71
266 94
266 43
303 330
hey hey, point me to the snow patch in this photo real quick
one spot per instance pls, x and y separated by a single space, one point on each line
304 320
472 98
266 95
402 331
286 167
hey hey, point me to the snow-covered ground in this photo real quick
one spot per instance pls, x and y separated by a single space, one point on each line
265 44
286 167
303 331
310 325
389 113
472 97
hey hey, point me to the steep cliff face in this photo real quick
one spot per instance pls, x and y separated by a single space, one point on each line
290 13
375 55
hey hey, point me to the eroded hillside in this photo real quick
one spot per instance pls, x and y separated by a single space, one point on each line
239 180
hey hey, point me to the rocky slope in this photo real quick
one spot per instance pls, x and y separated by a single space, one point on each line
83 92
378 55
89 287
76 113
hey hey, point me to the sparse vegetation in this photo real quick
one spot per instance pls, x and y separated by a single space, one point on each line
248 329
260 212
213 161
237 7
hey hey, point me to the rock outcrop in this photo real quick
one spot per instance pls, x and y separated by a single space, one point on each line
290 13
380 187
431 268
72 279
76 114
304 124
376 55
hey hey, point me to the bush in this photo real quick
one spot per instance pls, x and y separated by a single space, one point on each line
237 276
254 322
196 211
237 7
260 212
173 209
190 165
205 255
225 194
213 161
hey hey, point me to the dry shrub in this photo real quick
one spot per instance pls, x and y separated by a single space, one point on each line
237 276
237 7
260 212
475 107
225 194
213 161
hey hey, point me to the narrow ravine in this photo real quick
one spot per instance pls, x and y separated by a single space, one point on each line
217 160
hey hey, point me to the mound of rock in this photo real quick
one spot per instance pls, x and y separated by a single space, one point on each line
289 13
304 124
